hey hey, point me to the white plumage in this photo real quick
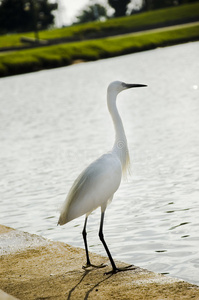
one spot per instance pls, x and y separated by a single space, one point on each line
96 185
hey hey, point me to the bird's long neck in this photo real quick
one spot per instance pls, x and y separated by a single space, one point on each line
120 147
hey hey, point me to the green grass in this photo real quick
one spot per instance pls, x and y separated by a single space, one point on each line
64 54
151 19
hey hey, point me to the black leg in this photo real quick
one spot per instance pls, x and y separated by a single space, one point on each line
88 263
114 268
101 236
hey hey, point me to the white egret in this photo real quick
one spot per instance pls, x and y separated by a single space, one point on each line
96 185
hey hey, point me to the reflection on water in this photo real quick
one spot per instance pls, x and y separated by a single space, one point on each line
53 123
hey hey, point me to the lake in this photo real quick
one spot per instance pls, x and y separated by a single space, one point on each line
53 123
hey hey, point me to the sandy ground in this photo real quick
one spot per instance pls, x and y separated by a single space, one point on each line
32 267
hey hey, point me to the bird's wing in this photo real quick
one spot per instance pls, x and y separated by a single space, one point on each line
93 188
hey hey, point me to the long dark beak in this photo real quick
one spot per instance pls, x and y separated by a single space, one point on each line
129 85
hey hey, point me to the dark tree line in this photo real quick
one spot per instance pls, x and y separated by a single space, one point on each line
33 15
25 15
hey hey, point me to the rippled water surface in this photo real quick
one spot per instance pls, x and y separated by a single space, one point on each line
53 123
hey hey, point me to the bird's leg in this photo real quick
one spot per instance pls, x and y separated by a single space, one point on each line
114 268
101 236
88 263
84 233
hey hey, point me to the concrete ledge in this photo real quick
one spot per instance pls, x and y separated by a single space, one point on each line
32 267
4 296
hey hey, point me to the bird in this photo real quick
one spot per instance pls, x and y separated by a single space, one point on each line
97 183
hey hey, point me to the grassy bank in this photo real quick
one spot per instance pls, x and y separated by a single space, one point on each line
64 54
152 19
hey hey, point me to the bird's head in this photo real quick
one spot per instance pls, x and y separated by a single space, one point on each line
116 87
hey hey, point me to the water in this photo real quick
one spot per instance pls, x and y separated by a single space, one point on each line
53 123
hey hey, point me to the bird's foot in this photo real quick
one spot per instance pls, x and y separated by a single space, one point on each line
93 266
117 270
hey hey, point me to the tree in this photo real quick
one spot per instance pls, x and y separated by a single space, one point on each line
120 7
25 15
92 13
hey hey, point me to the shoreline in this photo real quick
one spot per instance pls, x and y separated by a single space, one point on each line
33 267
61 55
